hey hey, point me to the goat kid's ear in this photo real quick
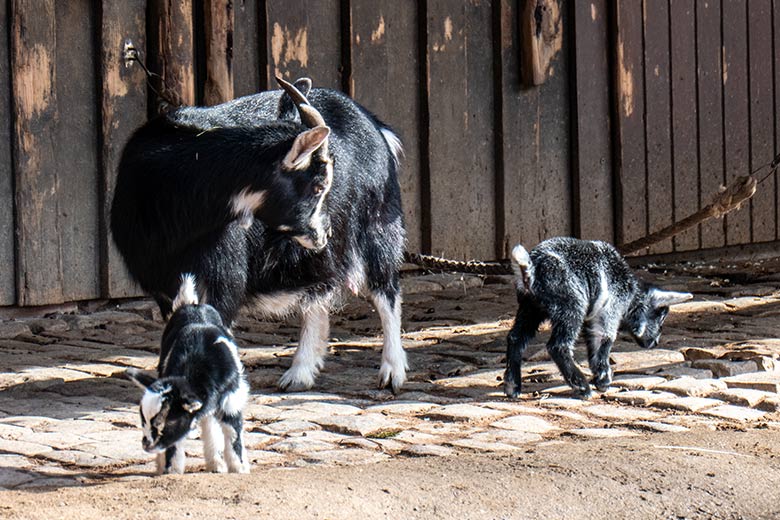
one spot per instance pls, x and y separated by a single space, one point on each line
308 142
661 298
141 379
192 405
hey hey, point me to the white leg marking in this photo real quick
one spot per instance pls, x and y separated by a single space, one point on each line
311 347
179 458
212 444
234 460
394 365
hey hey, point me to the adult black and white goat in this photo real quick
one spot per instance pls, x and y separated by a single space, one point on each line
270 210
200 380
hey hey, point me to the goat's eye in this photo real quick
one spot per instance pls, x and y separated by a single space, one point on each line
318 188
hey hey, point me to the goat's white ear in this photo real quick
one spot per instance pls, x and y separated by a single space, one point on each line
192 406
141 379
661 298
299 156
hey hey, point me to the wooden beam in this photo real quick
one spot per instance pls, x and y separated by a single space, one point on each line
219 21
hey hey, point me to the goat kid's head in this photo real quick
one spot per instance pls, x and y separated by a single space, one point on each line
169 410
649 311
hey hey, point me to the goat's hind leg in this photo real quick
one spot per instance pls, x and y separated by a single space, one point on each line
308 359
392 372
524 329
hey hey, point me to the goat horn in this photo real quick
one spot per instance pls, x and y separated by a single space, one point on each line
310 116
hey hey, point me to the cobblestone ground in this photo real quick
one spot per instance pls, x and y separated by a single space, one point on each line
67 416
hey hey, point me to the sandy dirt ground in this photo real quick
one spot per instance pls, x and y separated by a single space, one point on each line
728 474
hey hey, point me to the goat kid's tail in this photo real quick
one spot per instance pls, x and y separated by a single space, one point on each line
523 268
188 294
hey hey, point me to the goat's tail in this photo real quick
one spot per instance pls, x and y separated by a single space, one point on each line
523 268
188 294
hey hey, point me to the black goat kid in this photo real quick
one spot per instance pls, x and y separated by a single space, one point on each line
269 211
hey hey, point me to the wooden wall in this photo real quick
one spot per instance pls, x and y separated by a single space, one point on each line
644 110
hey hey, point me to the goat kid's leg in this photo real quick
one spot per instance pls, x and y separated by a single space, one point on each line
392 372
212 445
307 361
561 346
171 460
235 455
524 329
600 343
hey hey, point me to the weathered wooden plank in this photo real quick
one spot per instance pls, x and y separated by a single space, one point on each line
76 134
763 207
710 113
33 58
660 207
248 60
305 40
631 207
592 152
218 25
685 164
776 58
171 47
535 133
385 75
7 275
122 110
462 174
736 111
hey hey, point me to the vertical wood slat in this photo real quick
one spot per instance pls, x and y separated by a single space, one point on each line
122 110
7 274
385 75
461 137
631 210
537 179
219 21
76 154
763 209
38 266
592 160
709 53
682 30
171 46
736 110
660 186
304 40
776 61
248 60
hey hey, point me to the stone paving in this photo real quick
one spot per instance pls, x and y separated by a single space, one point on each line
68 417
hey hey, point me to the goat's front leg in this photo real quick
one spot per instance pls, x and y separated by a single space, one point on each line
171 460
235 455
311 348
561 347
212 445
600 339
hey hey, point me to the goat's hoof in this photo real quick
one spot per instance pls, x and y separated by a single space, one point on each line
297 380
511 390
393 379
216 467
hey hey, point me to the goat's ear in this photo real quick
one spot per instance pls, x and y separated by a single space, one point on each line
304 85
192 405
661 298
141 379
299 156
